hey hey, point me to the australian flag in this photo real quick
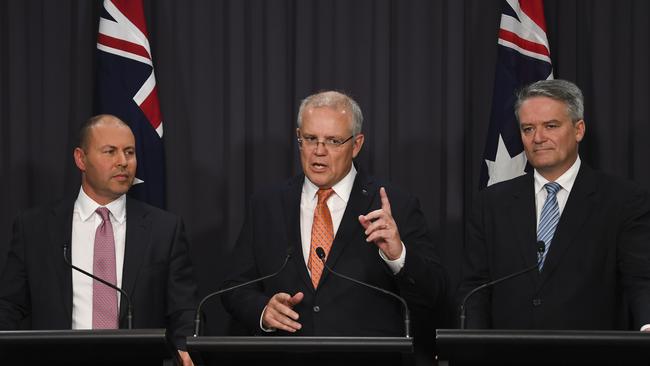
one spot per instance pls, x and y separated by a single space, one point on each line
523 57
126 88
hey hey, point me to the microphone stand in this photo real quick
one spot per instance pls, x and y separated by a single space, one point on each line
463 309
407 318
129 309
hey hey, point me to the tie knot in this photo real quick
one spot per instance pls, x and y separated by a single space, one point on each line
104 213
552 187
324 194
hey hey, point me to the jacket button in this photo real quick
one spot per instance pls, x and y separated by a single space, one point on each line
316 309
537 302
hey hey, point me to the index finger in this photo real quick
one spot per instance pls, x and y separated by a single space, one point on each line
385 204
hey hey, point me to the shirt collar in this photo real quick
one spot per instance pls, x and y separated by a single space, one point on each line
565 180
86 207
342 189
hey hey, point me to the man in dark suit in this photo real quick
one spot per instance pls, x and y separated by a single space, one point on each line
594 271
366 235
148 253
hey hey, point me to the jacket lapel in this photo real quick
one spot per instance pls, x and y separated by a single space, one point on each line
291 209
361 196
578 207
60 232
138 227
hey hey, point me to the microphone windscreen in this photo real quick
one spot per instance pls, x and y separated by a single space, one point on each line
321 253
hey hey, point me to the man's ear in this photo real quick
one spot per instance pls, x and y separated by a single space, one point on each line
80 159
580 130
358 143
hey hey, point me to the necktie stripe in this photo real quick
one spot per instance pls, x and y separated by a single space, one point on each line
549 219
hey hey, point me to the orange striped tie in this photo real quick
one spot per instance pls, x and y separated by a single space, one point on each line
322 235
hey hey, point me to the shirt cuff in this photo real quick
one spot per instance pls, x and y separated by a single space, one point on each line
269 330
397 264
645 327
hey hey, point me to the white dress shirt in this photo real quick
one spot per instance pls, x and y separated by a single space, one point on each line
85 222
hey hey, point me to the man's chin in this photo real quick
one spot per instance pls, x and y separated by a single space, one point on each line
319 180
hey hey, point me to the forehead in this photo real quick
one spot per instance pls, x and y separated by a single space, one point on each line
111 133
326 120
542 109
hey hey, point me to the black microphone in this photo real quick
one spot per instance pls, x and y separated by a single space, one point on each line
197 318
407 318
463 311
129 309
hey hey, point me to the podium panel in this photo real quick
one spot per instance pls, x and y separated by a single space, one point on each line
301 350
541 347
86 347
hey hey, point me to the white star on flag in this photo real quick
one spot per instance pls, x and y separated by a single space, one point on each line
504 166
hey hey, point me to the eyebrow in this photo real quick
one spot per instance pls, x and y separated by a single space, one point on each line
543 122
115 147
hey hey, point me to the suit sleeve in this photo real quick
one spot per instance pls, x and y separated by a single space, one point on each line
475 267
634 255
14 293
182 290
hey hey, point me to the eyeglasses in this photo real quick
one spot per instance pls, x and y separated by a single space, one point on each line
329 143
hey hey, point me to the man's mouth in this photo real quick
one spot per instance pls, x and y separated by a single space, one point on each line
319 166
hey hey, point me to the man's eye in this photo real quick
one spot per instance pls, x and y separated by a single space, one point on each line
333 141
309 138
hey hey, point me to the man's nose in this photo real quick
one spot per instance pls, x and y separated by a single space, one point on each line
540 135
122 159
320 148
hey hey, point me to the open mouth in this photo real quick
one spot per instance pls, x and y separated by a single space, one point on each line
319 166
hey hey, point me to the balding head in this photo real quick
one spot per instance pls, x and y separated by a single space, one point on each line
86 128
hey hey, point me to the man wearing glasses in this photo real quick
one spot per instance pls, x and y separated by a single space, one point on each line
367 230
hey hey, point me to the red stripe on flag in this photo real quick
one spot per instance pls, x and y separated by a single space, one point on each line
133 10
523 43
535 11
123 45
151 108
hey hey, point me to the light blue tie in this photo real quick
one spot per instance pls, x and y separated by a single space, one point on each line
548 220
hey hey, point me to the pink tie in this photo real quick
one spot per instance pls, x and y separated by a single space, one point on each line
104 297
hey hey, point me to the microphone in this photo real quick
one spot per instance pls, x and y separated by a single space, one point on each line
463 311
407 318
129 309
197 318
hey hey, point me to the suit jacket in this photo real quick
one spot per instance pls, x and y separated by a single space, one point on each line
338 307
597 270
157 272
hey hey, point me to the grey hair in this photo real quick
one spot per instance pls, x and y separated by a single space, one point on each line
560 90
334 100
